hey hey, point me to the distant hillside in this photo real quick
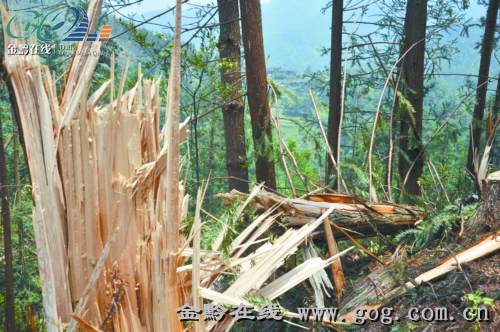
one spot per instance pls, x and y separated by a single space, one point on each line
294 32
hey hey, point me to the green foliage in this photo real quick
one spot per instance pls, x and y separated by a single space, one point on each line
305 129
474 301
260 301
286 94
405 106
27 284
374 246
436 227
308 168
229 221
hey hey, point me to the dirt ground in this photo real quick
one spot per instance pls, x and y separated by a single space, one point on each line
448 292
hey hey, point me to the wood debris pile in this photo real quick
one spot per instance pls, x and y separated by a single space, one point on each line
349 213
353 216
387 283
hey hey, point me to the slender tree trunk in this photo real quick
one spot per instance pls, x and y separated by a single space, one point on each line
211 156
335 88
17 175
410 142
196 137
233 111
211 147
7 240
196 148
484 68
253 43
496 113
17 196
496 105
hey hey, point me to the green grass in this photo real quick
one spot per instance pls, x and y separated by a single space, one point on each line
290 131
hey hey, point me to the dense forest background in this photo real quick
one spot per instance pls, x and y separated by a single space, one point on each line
298 41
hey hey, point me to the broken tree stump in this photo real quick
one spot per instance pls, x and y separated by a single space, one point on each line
351 213
487 213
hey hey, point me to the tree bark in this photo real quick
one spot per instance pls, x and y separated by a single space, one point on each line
413 89
253 43
496 105
350 213
7 238
359 224
488 210
482 82
496 112
374 286
335 89
17 175
17 196
233 111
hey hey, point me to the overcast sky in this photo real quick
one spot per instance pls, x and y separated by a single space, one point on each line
146 6
151 5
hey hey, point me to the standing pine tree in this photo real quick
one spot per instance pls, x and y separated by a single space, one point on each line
335 85
7 238
412 87
482 82
233 111
253 43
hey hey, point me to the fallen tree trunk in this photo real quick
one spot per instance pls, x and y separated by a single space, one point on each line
352 214
376 287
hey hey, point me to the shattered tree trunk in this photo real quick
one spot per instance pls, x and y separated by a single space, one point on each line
350 213
106 193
